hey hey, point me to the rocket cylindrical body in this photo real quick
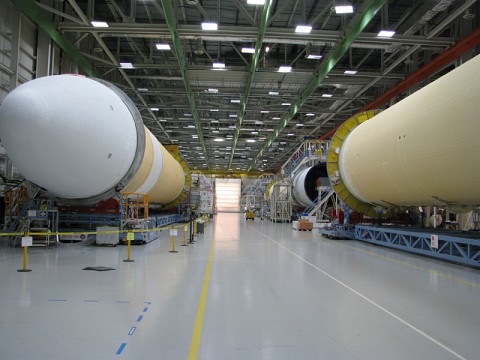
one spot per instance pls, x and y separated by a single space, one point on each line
421 151
82 138
305 184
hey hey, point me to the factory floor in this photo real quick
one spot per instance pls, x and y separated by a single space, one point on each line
245 290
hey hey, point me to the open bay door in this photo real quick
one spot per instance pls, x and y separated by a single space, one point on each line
228 192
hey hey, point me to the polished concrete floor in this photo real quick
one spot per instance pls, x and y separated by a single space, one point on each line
244 290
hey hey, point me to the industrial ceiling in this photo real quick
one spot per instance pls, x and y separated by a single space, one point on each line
232 110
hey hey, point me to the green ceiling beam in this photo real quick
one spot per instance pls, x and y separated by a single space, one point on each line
40 17
182 62
253 68
337 53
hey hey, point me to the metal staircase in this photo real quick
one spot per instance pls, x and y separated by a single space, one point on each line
17 203
308 153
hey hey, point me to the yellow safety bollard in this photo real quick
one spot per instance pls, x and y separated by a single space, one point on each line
195 227
173 234
26 242
184 235
130 237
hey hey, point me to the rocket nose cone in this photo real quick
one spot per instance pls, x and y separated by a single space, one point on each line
69 134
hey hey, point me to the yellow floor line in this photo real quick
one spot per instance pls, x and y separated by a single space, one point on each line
413 266
197 330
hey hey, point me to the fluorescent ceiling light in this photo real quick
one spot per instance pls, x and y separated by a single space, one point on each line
386 33
290 134
254 132
250 140
191 126
218 65
218 139
213 91
154 109
232 127
235 101
215 131
126 65
303 29
258 122
299 125
163 120
248 50
327 95
214 121
264 111
309 114
187 114
274 93
286 104
233 115
256 2
343 9
276 117
350 72
163 46
314 57
99 24
284 69
142 89
267 49
213 110
209 26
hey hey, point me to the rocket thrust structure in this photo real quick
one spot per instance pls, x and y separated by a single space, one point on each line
83 139
422 151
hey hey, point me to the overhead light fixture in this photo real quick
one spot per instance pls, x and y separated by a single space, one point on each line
309 114
254 132
154 109
209 26
303 29
214 121
327 95
273 93
343 9
218 65
256 2
218 139
99 24
386 33
191 126
142 89
258 122
235 101
251 140
314 57
264 111
215 131
187 114
299 125
162 120
163 46
276 117
213 91
267 49
290 134
126 65
350 72
286 104
213 110
284 69
248 50
233 115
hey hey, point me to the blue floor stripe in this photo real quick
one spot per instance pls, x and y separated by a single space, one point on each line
140 318
132 330
120 349
145 309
